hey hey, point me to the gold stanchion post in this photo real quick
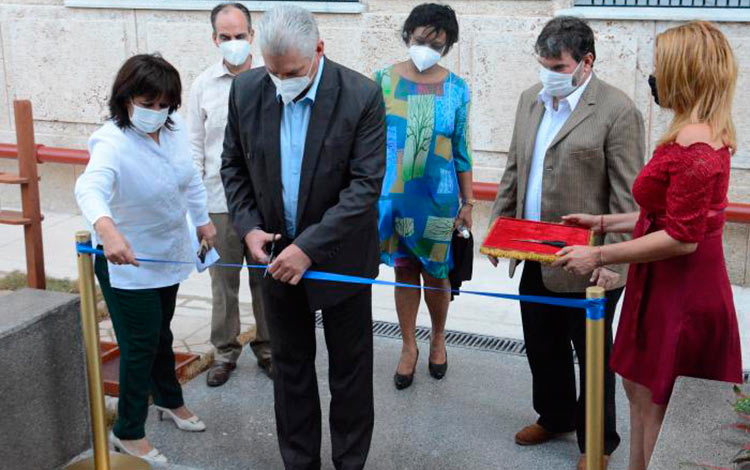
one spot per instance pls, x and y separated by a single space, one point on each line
102 458
595 322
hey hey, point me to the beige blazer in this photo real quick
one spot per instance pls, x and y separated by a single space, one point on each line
589 167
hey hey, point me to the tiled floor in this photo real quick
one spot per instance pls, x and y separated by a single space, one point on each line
191 325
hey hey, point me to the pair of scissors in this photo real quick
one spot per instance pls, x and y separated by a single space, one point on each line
272 256
555 243
203 250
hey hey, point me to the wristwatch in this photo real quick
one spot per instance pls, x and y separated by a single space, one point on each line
469 202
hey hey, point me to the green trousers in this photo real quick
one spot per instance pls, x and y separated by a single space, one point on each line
141 319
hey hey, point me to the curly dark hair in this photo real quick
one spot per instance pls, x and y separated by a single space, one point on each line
148 76
436 18
565 34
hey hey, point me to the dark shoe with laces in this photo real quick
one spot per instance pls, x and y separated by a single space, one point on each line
404 381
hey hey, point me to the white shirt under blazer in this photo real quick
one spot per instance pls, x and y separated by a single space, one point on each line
146 189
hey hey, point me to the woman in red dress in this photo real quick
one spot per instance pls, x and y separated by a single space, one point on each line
678 315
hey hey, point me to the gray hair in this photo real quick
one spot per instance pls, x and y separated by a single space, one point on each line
288 27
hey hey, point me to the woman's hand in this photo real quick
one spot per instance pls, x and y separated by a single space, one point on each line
208 233
116 248
579 260
605 278
593 222
464 217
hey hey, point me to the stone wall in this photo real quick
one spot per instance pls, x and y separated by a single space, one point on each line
64 59
43 393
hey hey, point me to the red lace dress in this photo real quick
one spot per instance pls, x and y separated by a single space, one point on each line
678 315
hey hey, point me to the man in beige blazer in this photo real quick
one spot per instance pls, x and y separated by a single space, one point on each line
577 145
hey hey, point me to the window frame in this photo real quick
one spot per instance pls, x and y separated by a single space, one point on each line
316 6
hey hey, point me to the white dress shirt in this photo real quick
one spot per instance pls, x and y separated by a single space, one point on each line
552 121
207 117
146 189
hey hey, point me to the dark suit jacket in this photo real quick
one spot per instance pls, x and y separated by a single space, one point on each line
342 173
589 167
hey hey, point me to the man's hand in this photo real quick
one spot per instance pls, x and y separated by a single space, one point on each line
256 241
290 265
116 248
605 278
208 233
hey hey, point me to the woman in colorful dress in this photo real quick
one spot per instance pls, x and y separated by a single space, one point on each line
678 302
427 190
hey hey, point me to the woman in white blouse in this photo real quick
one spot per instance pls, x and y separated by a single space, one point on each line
137 189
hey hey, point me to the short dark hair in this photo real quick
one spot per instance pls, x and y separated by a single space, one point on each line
565 34
436 18
223 6
149 76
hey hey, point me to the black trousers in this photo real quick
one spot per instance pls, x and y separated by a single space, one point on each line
348 334
549 332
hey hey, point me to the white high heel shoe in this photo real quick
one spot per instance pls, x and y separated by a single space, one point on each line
153 456
192 424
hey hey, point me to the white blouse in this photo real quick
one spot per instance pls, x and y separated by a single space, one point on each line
146 189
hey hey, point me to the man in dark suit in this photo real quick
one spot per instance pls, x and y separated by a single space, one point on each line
303 162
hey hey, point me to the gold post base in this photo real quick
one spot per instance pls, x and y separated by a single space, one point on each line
117 461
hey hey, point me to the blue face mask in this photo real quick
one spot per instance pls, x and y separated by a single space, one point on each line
147 120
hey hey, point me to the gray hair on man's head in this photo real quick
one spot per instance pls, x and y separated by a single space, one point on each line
288 27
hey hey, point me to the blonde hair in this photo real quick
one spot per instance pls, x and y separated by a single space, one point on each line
696 74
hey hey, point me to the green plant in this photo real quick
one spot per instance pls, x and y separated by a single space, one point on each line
742 404
16 280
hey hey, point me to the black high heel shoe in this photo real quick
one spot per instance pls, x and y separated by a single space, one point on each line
437 371
404 381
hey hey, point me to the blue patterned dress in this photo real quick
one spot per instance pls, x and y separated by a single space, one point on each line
427 145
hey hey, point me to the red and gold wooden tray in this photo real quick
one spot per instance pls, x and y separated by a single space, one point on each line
500 240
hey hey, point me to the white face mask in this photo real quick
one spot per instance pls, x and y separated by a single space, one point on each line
424 57
235 52
147 120
291 88
558 84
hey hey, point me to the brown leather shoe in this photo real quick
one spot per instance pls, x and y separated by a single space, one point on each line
219 373
532 435
582 462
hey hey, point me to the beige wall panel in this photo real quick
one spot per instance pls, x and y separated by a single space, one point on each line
187 46
741 109
6 105
503 67
346 46
68 68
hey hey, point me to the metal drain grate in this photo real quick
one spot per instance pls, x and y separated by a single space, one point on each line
459 339
384 329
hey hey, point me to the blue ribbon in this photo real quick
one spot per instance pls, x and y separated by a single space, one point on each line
594 307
